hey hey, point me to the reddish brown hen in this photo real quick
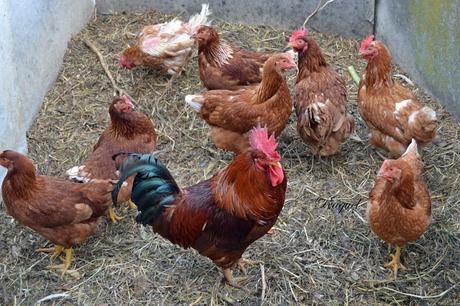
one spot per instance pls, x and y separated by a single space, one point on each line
391 112
128 131
232 114
399 209
63 212
223 66
320 98
165 46
219 217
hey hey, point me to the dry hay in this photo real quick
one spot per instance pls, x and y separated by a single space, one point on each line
318 254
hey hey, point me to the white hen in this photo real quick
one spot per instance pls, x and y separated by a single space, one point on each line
165 46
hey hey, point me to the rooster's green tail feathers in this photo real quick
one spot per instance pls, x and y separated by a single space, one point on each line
153 189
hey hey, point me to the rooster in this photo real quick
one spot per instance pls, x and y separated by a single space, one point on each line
391 112
320 98
399 209
232 114
219 217
165 46
223 66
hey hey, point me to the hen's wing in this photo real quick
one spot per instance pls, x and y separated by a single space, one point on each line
61 202
234 110
245 66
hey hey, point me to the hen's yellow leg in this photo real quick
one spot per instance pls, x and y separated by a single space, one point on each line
56 250
66 264
113 216
395 262
131 204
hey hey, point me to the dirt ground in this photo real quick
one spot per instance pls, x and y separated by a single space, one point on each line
318 255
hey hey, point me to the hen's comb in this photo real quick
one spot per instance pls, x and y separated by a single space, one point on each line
366 42
298 33
127 100
259 140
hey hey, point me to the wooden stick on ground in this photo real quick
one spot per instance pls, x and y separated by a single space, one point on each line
119 91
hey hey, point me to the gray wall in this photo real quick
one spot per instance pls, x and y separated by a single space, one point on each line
348 17
424 39
33 39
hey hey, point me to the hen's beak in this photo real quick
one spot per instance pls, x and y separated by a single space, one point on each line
128 101
276 164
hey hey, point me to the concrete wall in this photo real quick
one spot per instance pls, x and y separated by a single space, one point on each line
352 18
424 39
33 39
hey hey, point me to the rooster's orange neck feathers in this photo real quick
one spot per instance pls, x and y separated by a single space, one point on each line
242 188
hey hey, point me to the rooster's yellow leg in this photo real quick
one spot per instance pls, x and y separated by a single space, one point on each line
230 280
56 250
395 262
245 261
113 216
66 264
131 204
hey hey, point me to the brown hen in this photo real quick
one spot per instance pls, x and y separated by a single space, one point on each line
399 209
232 114
223 66
320 98
63 212
391 112
128 131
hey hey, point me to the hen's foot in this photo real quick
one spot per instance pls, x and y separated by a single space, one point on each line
56 250
271 231
395 262
131 205
113 216
66 263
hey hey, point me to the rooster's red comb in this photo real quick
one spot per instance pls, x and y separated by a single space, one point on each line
366 42
298 33
259 140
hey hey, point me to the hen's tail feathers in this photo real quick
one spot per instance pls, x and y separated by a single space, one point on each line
153 188
200 19
195 101
423 122
319 120
78 174
413 158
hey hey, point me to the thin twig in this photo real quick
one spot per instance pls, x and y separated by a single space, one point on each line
421 296
319 8
117 89
53 297
264 284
